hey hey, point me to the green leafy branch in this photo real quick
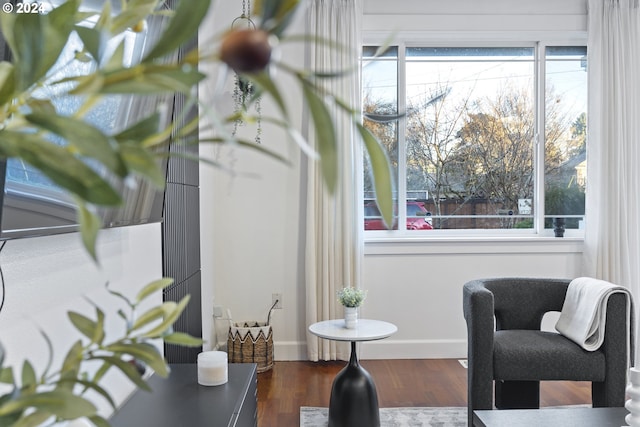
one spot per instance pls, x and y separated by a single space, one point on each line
318 103
59 395
28 121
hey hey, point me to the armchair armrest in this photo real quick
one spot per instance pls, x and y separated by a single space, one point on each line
478 306
619 349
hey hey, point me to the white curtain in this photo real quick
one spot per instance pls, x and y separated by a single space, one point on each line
334 236
612 239
613 159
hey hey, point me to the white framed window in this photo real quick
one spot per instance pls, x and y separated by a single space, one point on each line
491 138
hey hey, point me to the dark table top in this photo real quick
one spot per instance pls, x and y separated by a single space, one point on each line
551 417
179 401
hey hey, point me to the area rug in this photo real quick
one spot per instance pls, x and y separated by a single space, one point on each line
396 417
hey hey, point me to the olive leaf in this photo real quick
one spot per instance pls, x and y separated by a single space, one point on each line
60 402
41 106
117 58
325 136
180 338
29 380
169 319
60 165
147 353
143 161
101 372
70 366
264 82
381 170
99 421
94 40
7 81
188 15
34 419
86 326
94 330
153 314
140 130
93 385
241 143
153 287
36 40
49 344
83 137
9 419
144 79
132 13
6 375
126 368
90 225
276 15
104 19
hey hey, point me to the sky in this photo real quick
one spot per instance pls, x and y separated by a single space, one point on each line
478 76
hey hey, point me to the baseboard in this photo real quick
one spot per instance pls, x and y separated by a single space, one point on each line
413 349
384 349
290 350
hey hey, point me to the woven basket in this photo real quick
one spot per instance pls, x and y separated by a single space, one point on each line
251 342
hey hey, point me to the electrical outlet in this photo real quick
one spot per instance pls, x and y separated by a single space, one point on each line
278 298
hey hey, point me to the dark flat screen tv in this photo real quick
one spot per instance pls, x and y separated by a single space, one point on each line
32 205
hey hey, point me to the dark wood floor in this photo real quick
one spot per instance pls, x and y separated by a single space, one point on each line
424 382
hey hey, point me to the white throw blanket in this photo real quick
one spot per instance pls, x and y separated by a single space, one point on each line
584 312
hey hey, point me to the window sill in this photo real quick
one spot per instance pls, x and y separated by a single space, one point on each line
471 245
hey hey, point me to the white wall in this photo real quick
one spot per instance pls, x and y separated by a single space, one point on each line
475 15
45 277
420 288
250 210
251 225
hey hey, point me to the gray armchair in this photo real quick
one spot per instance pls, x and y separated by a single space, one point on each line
506 346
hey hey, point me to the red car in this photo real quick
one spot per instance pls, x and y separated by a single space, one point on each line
418 217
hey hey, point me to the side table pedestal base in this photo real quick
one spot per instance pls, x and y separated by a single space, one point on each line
354 400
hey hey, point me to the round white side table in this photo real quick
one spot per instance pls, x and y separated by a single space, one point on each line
354 400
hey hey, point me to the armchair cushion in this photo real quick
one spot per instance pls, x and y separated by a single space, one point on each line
546 355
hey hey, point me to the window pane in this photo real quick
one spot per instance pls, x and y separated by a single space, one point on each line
565 134
380 107
469 135
463 149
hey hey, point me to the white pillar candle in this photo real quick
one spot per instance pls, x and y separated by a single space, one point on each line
212 368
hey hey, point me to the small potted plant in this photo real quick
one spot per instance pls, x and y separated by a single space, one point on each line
351 298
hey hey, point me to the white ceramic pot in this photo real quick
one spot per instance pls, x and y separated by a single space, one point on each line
350 317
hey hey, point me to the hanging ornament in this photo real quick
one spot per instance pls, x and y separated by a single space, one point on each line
244 90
